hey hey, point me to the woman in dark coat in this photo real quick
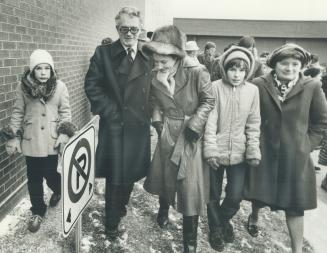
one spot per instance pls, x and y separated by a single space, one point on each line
182 99
294 116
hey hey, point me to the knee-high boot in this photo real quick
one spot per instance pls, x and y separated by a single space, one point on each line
190 233
162 217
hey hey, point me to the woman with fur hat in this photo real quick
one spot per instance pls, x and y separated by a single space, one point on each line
181 99
231 141
40 126
294 117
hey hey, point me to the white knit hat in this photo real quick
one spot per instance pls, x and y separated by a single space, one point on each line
40 56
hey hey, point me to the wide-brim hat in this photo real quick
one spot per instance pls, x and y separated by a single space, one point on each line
191 46
288 49
166 40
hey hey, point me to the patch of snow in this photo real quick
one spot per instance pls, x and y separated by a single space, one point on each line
245 243
86 244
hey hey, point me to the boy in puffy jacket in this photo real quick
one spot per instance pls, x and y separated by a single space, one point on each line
231 140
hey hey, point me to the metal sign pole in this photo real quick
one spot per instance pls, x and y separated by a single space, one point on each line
78 234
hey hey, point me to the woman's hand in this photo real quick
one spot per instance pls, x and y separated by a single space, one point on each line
13 146
213 162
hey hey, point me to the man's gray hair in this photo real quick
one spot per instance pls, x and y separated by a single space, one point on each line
131 12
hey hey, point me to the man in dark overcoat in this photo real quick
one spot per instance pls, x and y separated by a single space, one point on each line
117 85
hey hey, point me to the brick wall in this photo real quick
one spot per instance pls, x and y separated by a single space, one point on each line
70 30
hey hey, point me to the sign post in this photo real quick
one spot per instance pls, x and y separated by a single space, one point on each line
77 179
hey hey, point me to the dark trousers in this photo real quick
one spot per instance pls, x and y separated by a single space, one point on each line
37 169
217 213
116 198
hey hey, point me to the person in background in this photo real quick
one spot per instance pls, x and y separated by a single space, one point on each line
249 43
117 84
231 141
263 60
294 118
207 58
106 41
181 101
40 126
322 158
192 49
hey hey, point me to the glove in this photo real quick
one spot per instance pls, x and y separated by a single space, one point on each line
190 135
213 162
253 163
13 146
158 125
61 142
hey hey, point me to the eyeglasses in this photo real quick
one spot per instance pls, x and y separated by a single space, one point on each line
126 29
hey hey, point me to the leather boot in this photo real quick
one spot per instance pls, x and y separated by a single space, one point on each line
190 232
215 227
162 218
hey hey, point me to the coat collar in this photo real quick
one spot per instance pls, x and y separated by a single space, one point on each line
269 86
181 77
117 49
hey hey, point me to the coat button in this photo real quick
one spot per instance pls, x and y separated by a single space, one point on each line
43 114
42 127
143 108
125 108
143 90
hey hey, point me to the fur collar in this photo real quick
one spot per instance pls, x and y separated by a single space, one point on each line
36 89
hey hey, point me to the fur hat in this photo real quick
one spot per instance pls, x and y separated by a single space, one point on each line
166 40
209 45
288 50
40 56
191 46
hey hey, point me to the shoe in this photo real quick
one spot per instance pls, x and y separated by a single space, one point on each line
252 228
34 223
216 240
162 218
54 200
228 232
112 234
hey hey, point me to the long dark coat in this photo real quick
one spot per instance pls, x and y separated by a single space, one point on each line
121 100
176 169
289 132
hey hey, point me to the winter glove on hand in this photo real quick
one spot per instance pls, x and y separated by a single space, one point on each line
13 146
61 142
213 162
190 135
253 163
158 125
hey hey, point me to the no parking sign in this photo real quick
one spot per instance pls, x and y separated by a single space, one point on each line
77 176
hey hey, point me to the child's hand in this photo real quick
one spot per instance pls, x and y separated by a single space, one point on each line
13 146
61 142
213 162
253 162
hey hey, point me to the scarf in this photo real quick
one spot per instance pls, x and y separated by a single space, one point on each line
35 89
283 88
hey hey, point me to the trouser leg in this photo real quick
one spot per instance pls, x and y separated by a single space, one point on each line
35 184
51 175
